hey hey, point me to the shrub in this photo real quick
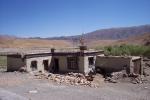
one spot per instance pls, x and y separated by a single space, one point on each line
134 50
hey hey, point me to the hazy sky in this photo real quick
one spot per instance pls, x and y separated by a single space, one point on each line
47 18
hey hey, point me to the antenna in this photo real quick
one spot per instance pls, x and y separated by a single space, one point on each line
82 40
82 44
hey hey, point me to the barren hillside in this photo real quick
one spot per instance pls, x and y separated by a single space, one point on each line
9 42
102 43
110 34
143 39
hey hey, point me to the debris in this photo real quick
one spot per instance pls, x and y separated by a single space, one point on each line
108 79
136 79
119 75
33 91
69 78
22 69
146 70
115 76
89 78
147 64
145 87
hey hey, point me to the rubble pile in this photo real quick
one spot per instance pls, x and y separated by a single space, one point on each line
109 79
135 78
69 78
39 75
124 77
119 75
116 76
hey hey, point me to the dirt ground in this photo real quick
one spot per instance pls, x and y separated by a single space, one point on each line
24 86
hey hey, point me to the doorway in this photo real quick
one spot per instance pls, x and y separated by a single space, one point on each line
91 60
56 65
45 63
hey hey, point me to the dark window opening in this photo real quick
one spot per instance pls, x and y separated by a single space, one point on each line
56 65
72 63
34 65
137 66
45 63
91 60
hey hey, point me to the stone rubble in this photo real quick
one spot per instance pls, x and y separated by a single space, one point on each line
108 79
88 80
33 91
69 78
119 75
116 77
136 79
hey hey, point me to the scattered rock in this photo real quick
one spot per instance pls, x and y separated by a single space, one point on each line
114 77
119 75
145 87
33 91
147 64
22 69
136 79
108 79
69 78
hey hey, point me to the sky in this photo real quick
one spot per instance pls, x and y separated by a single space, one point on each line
50 18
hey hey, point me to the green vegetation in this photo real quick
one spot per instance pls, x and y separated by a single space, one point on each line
3 60
134 50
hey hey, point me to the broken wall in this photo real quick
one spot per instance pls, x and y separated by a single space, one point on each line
110 64
14 63
136 66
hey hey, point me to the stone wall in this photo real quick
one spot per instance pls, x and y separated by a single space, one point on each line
110 64
14 63
136 66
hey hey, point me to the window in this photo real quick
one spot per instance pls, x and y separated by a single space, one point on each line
72 63
91 60
33 65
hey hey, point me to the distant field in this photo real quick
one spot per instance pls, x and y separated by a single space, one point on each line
11 42
30 43
3 62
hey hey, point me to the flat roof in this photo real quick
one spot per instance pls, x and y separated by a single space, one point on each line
131 57
15 51
33 51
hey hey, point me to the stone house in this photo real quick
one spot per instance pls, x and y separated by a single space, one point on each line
54 60
71 60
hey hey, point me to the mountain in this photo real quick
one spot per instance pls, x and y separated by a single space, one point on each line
118 33
7 37
110 34
113 36
143 39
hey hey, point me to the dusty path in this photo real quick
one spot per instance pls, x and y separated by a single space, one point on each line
34 89
7 95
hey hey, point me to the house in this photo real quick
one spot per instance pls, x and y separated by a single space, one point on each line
80 60
71 60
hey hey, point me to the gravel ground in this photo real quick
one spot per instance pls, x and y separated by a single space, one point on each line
6 95
22 86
